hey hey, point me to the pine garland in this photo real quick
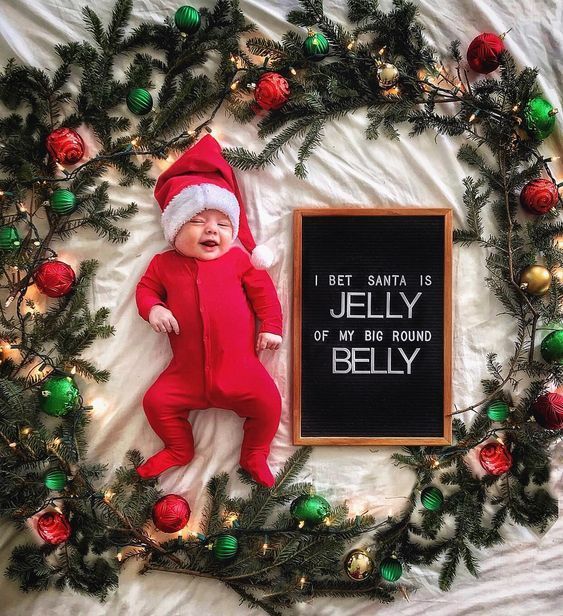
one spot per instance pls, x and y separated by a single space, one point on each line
278 563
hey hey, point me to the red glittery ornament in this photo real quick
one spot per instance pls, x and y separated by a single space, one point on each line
65 146
548 411
272 91
54 278
171 513
53 527
495 458
539 196
483 52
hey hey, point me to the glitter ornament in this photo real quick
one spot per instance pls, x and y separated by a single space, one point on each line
495 458
552 347
539 117
53 527
171 513
548 411
54 278
539 196
59 396
484 51
65 146
272 91
358 565
309 508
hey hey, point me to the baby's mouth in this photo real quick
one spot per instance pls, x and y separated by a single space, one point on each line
210 243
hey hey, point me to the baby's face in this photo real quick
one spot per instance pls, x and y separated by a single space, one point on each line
208 235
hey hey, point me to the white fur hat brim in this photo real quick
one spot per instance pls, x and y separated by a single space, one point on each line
194 199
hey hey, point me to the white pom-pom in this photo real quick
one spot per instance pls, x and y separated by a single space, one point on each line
262 257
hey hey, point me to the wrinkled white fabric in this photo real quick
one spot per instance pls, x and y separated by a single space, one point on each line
519 578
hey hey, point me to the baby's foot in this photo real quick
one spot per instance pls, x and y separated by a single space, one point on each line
162 461
256 465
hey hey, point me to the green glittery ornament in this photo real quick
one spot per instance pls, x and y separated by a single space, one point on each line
390 569
59 395
552 347
225 547
432 498
187 19
497 411
55 479
139 101
63 201
539 115
9 238
309 508
315 46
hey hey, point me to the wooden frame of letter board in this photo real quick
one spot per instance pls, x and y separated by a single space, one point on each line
298 439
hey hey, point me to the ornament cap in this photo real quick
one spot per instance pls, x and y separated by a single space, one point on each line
553 111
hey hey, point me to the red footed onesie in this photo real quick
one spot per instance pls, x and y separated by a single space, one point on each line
214 362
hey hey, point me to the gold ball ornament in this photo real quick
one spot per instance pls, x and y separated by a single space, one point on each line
359 566
387 75
535 280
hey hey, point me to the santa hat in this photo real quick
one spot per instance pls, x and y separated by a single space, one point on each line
201 179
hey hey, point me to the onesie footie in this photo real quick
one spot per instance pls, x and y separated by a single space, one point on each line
256 465
160 462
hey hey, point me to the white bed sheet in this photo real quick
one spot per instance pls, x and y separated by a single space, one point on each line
522 576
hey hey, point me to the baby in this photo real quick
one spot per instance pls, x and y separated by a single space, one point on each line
205 294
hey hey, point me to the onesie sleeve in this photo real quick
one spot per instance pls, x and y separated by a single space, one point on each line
261 291
150 290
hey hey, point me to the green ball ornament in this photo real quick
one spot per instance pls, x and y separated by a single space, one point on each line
309 508
187 19
552 347
9 238
55 479
225 547
432 498
498 411
390 569
539 116
315 46
62 201
59 396
139 101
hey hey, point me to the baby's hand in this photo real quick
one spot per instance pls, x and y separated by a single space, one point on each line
162 320
268 341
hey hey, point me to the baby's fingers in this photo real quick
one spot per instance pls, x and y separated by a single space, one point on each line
174 325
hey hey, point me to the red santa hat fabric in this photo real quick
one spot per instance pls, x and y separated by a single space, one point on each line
201 179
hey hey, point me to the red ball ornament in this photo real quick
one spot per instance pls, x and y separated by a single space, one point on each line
483 52
54 278
539 196
272 91
171 513
548 411
495 458
65 146
53 527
